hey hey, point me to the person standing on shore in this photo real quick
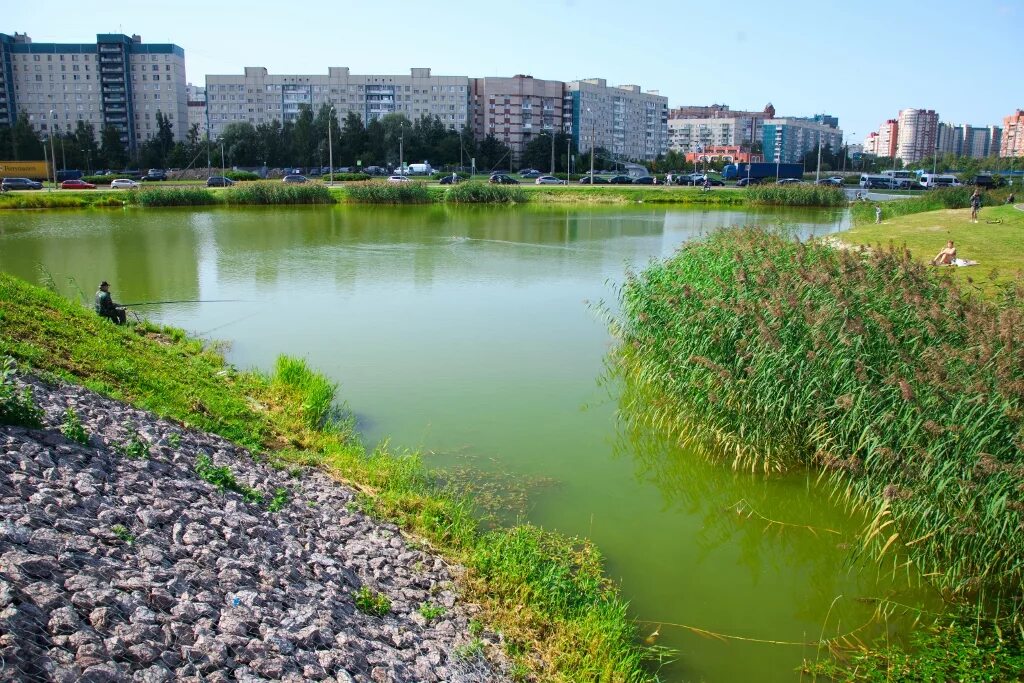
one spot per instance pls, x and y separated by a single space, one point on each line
878 214
975 205
105 306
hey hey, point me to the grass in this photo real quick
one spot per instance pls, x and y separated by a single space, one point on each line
173 196
17 407
485 193
73 429
224 479
270 192
903 390
388 193
55 200
931 200
371 602
563 620
996 241
796 195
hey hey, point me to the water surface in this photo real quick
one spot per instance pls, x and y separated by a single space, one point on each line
475 335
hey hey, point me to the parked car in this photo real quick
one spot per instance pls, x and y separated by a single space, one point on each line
398 179
833 180
882 184
548 180
294 178
450 179
155 174
788 181
219 181
644 180
620 180
529 173
502 179
20 184
593 180
124 184
743 182
76 185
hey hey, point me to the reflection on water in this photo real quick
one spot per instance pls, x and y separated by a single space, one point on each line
464 332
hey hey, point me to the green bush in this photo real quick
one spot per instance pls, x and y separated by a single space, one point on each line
485 193
276 192
242 175
347 177
173 196
389 193
796 195
441 174
73 429
99 179
17 407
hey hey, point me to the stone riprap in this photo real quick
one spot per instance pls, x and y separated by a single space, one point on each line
116 567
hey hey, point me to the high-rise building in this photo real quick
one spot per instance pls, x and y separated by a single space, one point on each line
788 140
197 115
627 123
117 82
693 127
259 97
515 110
885 142
1012 144
918 130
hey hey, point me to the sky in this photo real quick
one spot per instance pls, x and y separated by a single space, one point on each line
860 61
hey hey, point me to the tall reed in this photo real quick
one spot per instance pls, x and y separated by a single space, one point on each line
905 391
388 193
796 195
271 192
485 193
173 196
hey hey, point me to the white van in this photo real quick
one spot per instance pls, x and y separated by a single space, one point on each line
420 169
877 182
930 180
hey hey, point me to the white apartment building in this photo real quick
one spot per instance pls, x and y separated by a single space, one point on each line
196 95
118 81
918 131
259 97
788 139
687 134
630 124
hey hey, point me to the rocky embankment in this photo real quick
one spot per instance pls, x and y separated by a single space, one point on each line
119 562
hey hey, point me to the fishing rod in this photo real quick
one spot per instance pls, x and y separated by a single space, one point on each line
185 301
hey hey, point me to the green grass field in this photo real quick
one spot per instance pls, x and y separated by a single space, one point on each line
996 241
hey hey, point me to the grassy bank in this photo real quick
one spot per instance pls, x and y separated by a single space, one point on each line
561 618
933 200
996 242
905 392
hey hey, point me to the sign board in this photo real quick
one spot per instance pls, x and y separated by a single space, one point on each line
359 162
23 169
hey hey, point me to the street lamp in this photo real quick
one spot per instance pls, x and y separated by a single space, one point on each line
552 136
593 135
330 147
221 141
53 159
88 161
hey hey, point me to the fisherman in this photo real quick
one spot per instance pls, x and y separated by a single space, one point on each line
105 306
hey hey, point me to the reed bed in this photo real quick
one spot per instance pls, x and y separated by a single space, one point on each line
796 195
270 192
906 392
389 193
50 200
485 193
173 196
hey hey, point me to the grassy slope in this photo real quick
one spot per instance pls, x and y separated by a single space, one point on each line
563 621
995 245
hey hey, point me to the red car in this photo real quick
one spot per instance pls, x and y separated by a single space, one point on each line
76 185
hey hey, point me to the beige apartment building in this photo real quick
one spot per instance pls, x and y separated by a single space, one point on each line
516 109
690 127
117 81
918 133
257 96
197 109
628 123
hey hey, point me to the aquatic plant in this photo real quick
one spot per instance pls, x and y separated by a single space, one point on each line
485 193
388 193
796 195
276 192
906 392
172 196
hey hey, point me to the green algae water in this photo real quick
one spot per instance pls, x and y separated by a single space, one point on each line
476 336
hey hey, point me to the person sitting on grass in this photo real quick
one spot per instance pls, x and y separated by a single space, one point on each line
105 306
946 256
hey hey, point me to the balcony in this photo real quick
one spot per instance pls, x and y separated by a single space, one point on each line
110 48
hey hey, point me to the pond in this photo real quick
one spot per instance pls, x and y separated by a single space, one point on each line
478 336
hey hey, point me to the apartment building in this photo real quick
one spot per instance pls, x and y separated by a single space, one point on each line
118 81
729 154
917 135
882 142
258 97
789 139
628 123
196 97
693 127
516 109
1012 143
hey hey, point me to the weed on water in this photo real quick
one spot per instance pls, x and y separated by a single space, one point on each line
371 602
72 427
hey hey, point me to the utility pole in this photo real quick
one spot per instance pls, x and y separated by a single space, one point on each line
330 147
593 134
53 157
552 151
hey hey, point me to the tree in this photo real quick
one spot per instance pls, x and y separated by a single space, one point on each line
25 143
493 153
352 141
112 150
326 120
303 147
